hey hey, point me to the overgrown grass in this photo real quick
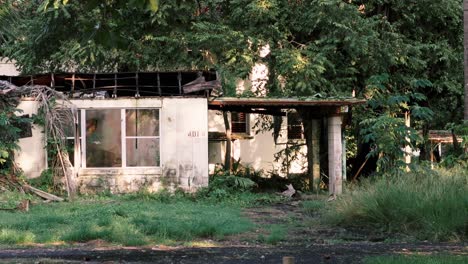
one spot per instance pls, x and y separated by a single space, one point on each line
277 233
425 204
420 259
312 207
11 199
128 220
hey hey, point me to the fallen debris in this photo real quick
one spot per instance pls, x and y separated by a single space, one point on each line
42 194
289 192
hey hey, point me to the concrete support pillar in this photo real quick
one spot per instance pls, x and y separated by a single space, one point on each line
335 155
343 158
316 154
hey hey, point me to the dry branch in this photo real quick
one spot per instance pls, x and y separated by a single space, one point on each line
57 112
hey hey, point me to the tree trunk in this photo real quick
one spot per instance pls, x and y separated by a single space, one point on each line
465 44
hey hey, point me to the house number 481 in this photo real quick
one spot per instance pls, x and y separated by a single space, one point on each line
195 133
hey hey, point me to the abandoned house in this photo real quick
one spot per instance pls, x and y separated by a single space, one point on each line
158 130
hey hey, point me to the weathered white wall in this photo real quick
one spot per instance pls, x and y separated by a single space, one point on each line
8 68
32 156
183 139
257 151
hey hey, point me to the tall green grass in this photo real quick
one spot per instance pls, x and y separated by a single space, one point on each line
121 221
425 204
421 259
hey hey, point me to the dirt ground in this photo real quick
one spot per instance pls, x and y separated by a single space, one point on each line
305 240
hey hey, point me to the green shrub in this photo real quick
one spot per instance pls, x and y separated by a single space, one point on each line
425 204
232 183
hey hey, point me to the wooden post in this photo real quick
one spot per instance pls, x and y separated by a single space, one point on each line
316 154
73 85
52 80
179 79
158 80
288 260
137 86
465 44
114 94
227 156
335 166
94 83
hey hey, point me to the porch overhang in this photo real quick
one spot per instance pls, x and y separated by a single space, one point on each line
319 107
331 109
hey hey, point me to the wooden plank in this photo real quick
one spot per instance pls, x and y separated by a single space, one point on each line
43 194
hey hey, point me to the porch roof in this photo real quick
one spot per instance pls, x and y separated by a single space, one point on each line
442 136
267 105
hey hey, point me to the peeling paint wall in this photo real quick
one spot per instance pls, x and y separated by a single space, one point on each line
32 156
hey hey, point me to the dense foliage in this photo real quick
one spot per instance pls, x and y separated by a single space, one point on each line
9 136
403 56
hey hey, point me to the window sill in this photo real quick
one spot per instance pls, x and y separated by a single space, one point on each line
221 136
241 136
118 171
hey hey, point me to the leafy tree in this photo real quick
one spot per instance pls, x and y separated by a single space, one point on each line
402 55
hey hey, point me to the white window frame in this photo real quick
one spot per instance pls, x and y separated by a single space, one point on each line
122 135
125 137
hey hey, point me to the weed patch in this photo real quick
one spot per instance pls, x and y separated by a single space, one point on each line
312 207
425 204
277 233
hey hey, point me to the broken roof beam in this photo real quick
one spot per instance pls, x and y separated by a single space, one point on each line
200 84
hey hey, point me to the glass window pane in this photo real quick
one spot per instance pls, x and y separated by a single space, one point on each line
142 122
103 138
143 152
66 118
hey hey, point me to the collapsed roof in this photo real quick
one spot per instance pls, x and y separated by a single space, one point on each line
136 84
